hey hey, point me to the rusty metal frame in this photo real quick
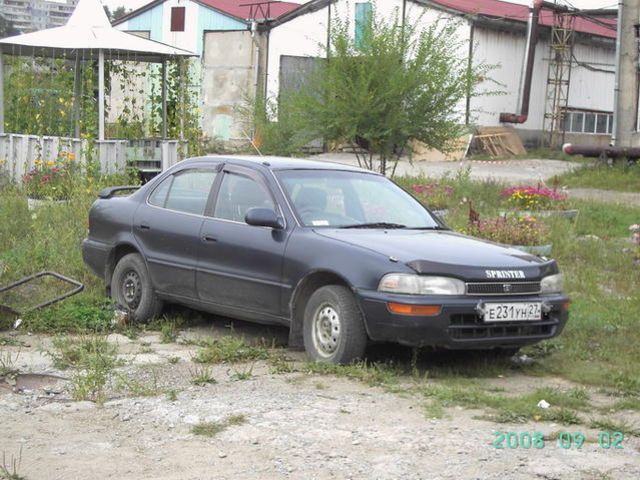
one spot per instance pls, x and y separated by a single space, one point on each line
78 288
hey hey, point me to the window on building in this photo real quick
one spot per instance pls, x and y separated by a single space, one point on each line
591 122
363 20
177 19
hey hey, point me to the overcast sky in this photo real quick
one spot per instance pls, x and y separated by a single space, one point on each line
133 4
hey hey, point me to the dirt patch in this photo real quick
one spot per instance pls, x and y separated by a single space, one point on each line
294 425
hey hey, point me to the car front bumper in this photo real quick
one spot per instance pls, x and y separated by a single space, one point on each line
459 326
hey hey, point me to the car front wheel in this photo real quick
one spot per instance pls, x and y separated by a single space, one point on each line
131 288
334 329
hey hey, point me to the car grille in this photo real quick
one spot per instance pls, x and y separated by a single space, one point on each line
471 326
503 288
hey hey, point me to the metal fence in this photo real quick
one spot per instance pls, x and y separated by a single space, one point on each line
18 153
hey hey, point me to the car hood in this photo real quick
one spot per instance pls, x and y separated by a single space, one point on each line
446 252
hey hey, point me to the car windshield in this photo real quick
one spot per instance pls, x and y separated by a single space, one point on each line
344 199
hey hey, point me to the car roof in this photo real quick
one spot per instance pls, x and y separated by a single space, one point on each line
279 163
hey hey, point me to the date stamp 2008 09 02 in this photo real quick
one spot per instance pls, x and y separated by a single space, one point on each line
566 440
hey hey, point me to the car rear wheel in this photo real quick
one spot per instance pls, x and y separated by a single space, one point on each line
334 329
131 288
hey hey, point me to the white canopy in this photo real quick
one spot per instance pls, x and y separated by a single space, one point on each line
89 35
87 32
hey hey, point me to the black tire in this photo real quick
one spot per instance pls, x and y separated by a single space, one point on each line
131 288
334 329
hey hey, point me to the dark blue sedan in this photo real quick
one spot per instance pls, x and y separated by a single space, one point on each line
340 255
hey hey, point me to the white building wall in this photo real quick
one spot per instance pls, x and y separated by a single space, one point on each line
158 22
303 36
588 89
504 51
593 90
306 35
187 40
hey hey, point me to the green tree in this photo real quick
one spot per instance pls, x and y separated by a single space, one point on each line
390 85
118 13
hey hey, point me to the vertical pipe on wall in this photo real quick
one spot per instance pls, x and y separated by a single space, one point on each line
467 113
328 29
101 95
404 13
616 96
528 74
523 68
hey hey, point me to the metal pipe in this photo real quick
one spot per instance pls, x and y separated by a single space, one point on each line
632 153
523 69
531 57
467 115
616 95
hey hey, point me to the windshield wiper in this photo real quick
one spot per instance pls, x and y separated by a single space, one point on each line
376 225
434 227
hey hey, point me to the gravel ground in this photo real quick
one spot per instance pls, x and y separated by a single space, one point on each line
509 171
296 425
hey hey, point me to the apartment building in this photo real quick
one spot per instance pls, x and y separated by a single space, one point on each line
32 15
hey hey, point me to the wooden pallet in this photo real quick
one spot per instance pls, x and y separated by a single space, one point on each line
500 141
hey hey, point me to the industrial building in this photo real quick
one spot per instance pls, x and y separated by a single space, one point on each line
569 93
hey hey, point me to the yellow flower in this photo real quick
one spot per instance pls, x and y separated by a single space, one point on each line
51 163
71 156
1 161
38 162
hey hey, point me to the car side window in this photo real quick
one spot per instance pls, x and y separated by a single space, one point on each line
159 195
239 193
186 191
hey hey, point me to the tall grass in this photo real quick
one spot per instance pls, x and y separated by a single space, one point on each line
621 176
49 238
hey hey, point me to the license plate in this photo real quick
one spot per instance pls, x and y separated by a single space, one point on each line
512 312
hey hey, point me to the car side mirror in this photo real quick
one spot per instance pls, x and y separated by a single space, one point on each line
263 217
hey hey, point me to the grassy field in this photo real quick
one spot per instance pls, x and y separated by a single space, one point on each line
600 346
619 177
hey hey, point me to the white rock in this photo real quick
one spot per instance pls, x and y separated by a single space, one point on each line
543 404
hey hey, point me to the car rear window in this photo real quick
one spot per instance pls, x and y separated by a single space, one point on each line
187 191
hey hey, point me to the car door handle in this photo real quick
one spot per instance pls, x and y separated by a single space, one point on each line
144 226
209 238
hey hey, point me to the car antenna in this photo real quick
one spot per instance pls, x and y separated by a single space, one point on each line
252 143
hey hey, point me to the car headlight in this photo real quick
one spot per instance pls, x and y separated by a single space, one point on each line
411 284
552 283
